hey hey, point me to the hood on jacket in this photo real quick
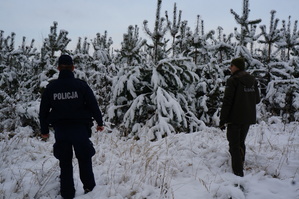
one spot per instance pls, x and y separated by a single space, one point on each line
245 78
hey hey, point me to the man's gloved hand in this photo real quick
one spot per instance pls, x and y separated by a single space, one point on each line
45 137
222 126
100 128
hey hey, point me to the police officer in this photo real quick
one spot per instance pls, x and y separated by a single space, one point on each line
239 111
68 104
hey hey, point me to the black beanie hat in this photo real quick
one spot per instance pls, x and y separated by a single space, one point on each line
65 60
239 63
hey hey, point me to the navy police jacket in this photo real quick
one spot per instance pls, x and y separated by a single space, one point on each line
68 100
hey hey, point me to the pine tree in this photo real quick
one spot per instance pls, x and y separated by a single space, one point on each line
266 56
82 48
174 27
244 37
182 42
82 60
151 101
222 47
198 43
289 41
18 83
6 47
247 35
48 59
8 82
270 38
99 76
128 85
209 92
130 52
282 87
29 88
157 51
54 43
101 45
282 99
93 71
253 38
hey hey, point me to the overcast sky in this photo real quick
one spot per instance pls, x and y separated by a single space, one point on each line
86 18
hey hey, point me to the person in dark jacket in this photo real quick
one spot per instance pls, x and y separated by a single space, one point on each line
239 111
69 105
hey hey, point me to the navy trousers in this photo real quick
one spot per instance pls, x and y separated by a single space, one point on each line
69 137
236 135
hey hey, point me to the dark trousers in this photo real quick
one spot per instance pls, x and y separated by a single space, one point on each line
236 135
69 137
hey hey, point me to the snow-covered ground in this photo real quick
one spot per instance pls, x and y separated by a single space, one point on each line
182 166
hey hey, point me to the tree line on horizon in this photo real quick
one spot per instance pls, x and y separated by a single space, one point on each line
170 84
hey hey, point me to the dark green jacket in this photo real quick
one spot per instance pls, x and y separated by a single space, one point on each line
240 98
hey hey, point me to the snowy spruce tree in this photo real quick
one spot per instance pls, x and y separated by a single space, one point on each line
283 88
222 47
131 53
246 36
18 82
266 55
100 71
149 100
210 88
82 59
198 43
181 42
209 92
174 28
269 38
289 41
54 44
8 83
261 71
157 50
101 45
129 61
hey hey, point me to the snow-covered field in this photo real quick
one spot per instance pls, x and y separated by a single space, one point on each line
182 166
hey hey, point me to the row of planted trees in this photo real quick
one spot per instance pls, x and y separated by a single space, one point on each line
174 83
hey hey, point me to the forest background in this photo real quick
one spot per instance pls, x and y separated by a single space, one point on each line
170 84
